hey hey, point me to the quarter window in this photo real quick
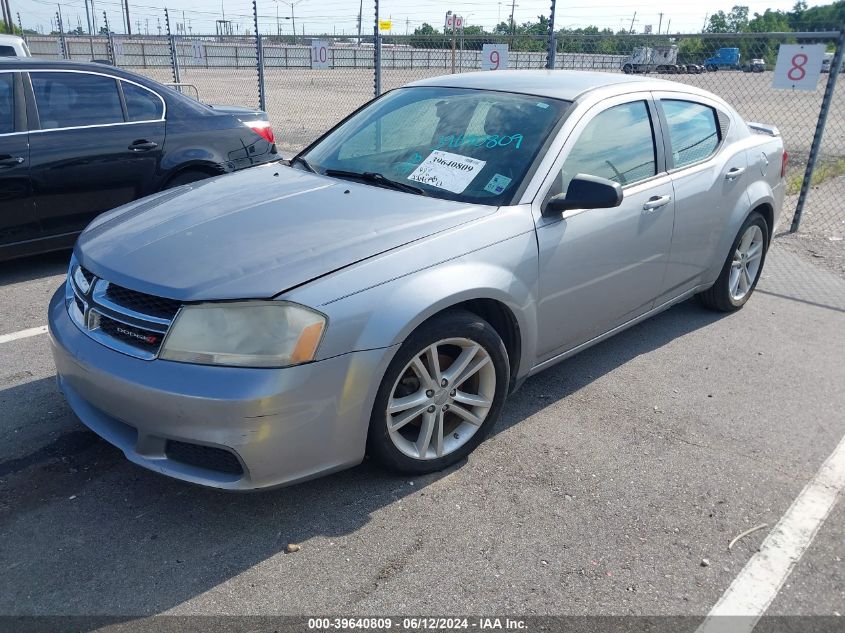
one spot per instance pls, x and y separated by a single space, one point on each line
7 103
617 144
75 99
141 104
693 131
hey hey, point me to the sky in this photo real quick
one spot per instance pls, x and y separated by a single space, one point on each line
340 16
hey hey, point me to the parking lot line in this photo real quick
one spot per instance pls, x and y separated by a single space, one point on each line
753 590
33 331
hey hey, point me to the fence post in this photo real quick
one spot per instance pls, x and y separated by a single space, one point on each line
259 57
174 59
377 56
835 67
110 48
550 55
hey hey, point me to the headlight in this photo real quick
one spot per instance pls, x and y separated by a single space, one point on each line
244 334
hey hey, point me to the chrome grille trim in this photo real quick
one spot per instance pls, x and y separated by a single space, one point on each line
106 320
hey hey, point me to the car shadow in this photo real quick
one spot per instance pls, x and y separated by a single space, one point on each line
35 267
87 532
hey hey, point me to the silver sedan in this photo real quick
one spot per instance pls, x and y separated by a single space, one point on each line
385 291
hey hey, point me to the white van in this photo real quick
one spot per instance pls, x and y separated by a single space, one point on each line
13 46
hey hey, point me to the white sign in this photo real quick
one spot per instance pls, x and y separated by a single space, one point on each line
455 21
799 66
448 171
198 50
647 29
494 56
319 54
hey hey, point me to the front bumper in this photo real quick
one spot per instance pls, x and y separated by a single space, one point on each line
281 425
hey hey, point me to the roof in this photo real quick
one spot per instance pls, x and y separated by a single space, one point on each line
5 37
555 84
40 62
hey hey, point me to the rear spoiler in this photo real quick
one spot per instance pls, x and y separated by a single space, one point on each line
762 128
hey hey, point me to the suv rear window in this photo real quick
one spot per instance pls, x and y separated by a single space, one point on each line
7 103
72 99
8 51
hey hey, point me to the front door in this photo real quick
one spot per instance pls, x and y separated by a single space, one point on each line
18 221
600 268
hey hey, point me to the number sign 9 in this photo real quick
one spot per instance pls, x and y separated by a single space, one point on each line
494 57
319 54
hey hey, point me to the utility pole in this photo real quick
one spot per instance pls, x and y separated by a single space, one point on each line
6 21
704 26
513 21
660 23
634 19
668 24
360 11
292 4
128 23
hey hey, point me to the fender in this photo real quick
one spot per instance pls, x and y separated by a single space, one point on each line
384 315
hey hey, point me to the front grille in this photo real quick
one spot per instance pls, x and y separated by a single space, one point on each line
135 336
207 457
126 320
143 303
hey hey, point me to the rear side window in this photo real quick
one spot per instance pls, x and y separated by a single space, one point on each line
76 99
141 104
618 144
8 51
693 131
7 103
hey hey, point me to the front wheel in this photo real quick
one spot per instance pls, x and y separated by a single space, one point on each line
742 268
441 394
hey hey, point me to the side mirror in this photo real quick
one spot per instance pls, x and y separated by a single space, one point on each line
585 192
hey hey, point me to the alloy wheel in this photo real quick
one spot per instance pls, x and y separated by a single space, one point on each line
746 262
441 398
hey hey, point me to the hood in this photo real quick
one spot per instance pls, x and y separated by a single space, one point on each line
256 233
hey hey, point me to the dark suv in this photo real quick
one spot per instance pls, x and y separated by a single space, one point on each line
77 139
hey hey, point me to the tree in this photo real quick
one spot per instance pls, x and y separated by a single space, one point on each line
736 21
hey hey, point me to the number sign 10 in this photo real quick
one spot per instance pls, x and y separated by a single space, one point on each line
319 54
494 57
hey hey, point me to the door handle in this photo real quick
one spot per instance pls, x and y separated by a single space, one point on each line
734 173
655 202
142 146
10 161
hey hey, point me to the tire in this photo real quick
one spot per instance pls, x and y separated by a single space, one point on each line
627 69
458 336
724 294
185 178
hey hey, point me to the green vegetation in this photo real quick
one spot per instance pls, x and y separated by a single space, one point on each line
825 170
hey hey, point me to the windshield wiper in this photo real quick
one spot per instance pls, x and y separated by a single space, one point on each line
376 179
304 162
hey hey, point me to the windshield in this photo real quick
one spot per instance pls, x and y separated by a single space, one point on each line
460 144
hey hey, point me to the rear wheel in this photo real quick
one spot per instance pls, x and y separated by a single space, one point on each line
742 268
441 394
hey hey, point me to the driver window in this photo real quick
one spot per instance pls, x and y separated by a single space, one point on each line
618 144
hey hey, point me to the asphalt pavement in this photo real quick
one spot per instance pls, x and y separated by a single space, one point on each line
612 485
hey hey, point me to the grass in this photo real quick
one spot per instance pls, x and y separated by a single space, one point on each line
825 170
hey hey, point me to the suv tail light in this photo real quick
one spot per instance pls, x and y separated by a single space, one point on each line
783 163
263 129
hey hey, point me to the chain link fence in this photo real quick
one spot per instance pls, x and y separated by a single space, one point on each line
304 101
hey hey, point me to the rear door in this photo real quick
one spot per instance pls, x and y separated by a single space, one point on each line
18 220
98 146
709 182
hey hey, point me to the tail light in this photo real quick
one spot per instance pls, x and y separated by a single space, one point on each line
783 164
263 129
